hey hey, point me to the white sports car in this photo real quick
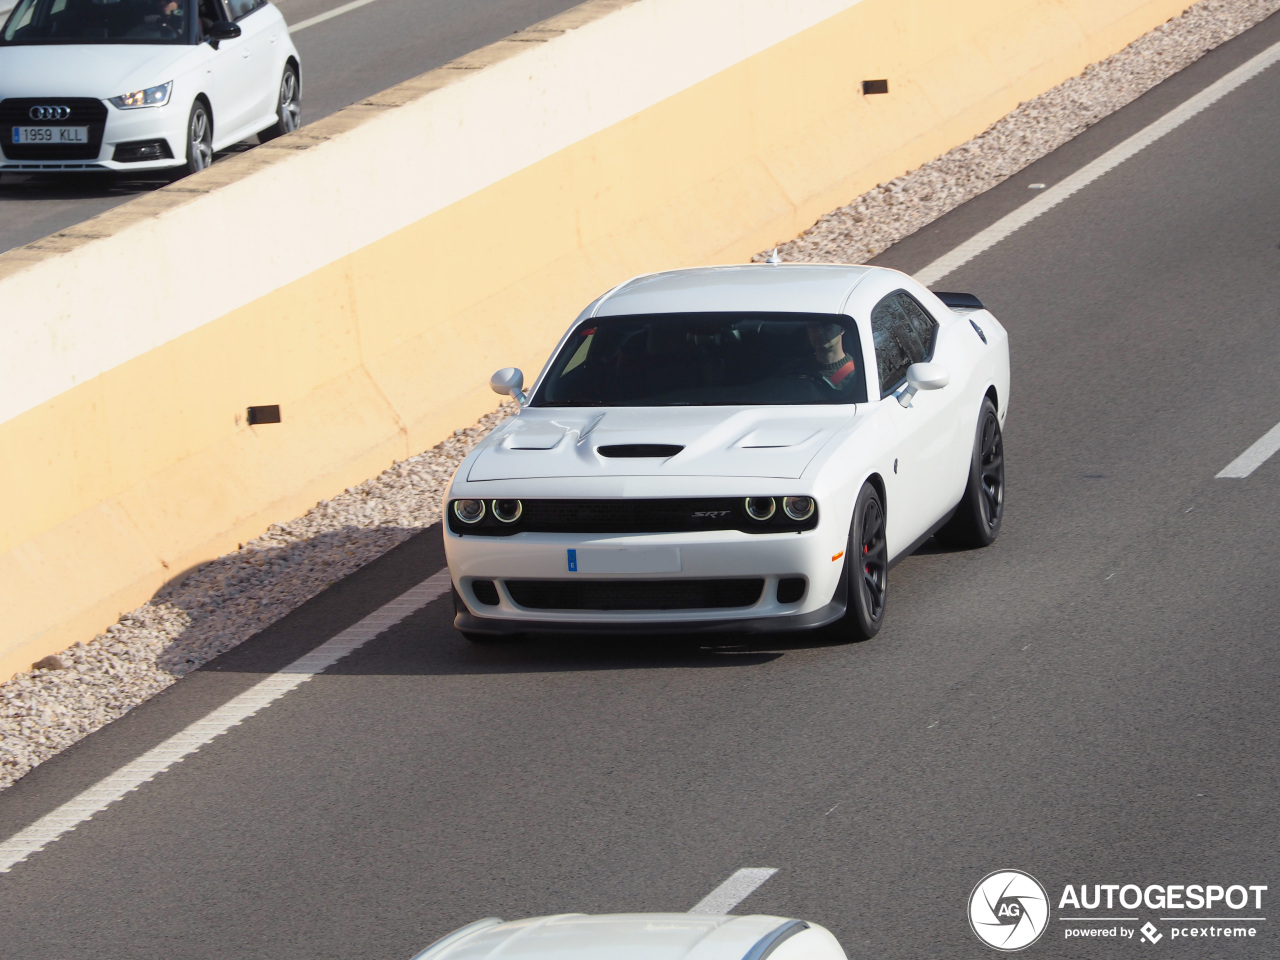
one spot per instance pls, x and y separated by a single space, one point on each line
638 936
741 448
98 85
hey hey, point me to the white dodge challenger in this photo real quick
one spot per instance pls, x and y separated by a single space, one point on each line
742 448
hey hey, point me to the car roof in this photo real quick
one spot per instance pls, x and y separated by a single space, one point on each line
768 288
620 936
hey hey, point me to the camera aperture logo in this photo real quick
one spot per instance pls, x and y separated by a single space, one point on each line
1009 910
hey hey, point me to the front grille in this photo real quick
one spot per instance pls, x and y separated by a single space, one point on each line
635 594
85 112
631 516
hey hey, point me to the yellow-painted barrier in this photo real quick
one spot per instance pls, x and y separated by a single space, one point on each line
115 484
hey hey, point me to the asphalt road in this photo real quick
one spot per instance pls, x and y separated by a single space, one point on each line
344 59
1093 699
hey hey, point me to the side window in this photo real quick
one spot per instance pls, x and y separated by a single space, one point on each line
903 333
925 326
242 8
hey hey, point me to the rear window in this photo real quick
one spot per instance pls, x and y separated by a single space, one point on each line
707 359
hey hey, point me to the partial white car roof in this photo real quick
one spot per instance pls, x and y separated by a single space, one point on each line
769 288
619 936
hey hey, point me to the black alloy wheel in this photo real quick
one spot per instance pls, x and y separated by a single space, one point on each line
867 568
976 522
288 106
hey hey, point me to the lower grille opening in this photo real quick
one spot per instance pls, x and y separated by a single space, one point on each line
137 151
635 594
485 591
790 589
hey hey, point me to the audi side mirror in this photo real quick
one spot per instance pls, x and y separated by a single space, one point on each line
509 381
221 30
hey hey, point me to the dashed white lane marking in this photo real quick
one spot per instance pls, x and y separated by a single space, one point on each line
322 17
1254 457
159 759
1043 202
733 891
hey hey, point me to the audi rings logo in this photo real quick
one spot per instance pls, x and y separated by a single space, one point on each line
1009 910
49 113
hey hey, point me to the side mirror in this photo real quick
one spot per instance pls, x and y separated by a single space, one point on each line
923 376
509 381
221 30
928 376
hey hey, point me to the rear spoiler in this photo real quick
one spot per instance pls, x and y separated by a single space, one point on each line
960 301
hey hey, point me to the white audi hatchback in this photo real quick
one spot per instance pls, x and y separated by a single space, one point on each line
115 85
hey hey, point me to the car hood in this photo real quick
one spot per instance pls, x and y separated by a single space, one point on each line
635 936
99 70
715 441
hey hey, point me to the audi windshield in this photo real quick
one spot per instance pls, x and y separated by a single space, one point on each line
707 359
99 21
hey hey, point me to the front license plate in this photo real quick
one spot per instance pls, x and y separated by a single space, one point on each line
50 134
624 560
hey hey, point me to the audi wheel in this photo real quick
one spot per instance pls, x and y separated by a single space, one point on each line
288 106
199 140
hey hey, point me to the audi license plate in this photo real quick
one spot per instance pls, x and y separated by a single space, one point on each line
50 134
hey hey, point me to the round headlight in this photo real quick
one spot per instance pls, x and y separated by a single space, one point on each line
798 508
508 511
469 511
760 508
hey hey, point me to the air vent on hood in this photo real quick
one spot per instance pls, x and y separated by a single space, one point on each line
640 450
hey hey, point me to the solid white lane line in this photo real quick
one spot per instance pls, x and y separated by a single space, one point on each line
1254 457
1050 198
155 761
322 17
733 891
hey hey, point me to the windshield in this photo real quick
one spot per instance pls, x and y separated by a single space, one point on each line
98 21
707 359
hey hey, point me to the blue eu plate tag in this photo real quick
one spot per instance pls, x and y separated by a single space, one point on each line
573 561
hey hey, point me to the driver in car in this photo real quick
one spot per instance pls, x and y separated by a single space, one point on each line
164 13
834 365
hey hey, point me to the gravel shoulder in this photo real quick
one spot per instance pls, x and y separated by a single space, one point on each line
230 599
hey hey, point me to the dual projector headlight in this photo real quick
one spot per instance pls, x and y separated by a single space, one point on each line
759 509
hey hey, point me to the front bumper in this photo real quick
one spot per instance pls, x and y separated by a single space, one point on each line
109 128
468 622
721 556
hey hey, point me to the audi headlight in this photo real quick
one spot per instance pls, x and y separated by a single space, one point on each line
150 97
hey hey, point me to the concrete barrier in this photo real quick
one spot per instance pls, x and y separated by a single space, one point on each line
368 272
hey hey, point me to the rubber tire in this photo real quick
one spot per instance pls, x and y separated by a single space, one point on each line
862 620
976 522
286 121
196 160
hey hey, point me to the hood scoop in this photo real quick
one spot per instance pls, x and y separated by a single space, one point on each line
639 450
